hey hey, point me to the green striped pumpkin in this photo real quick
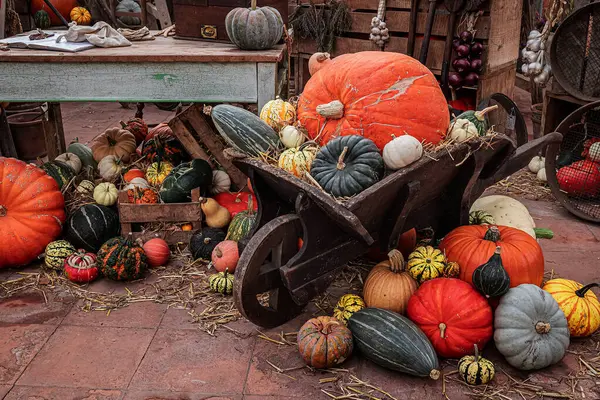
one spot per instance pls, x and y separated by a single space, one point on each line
84 153
41 19
59 171
242 223
480 217
221 282
393 341
121 259
244 131
57 252
91 225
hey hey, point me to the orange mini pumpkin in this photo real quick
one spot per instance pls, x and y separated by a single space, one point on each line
324 342
157 252
225 256
81 15
379 95
134 173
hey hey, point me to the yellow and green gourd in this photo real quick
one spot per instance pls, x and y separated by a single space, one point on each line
476 370
480 217
57 252
348 305
426 263
221 282
451 270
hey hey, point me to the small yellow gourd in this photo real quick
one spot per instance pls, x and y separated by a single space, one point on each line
215 215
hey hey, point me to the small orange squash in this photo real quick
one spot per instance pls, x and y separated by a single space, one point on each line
388 285
578 302
133 173
157 252
80 15
225 256
324 342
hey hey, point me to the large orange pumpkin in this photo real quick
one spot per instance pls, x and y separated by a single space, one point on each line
31 212
473 245
63 6
379 95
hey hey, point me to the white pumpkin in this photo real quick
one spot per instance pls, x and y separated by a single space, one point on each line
110 168
291 137
536 164
137 183
462 130
86 187
71 160
106 194
221 182
594 152
506 211
541 175
401 152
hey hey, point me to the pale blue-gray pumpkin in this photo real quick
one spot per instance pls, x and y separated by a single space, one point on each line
254 28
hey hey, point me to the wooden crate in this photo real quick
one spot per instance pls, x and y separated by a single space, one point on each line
498 29
205 19
172 212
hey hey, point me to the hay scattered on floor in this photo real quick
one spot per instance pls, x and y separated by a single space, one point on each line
523 184
182 284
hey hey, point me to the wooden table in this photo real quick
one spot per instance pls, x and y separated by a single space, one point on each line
162 70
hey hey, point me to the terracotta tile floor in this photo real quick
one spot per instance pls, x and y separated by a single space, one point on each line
146 351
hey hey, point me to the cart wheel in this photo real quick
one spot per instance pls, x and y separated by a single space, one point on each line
257 274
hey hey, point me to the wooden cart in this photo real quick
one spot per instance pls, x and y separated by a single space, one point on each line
437 191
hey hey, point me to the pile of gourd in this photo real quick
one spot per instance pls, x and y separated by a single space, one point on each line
484 282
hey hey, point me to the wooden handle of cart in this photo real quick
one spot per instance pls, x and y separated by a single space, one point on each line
57 13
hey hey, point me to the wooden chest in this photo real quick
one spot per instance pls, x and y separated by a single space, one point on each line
205 19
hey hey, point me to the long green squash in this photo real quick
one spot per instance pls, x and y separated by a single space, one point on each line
393 341
244 131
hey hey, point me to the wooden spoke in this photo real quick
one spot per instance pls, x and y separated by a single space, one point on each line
258 272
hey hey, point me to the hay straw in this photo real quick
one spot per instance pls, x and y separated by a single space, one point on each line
525 184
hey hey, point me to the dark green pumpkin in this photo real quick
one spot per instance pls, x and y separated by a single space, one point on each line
84 153
41 19
254 28
478 118
163 147
59 171
177 186
121 259
393 341
91 225
347 165
242 223
204 241
491 279
244 131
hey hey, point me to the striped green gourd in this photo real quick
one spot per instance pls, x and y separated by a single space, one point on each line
393 341
121 259
242 223
480 217
83 152
91 225
244 131
221 282
41 19
57 252
59 171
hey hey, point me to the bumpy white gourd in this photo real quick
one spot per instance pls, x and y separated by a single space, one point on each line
541 175
401 152
462 130
221 182
106 194
110 168
71 160
536 164
291 137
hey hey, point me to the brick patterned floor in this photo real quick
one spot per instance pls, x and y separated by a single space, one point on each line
148 352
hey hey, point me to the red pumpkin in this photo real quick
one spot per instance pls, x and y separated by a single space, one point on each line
324 342
32 211
580 178
378 95
63 6
235 202
138 127
473 245
134 173
157 251
160 129
453 315
81 267
225 256
406 244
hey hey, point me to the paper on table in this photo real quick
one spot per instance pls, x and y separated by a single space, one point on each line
23 42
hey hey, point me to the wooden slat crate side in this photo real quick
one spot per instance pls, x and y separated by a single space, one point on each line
140 213
501 81
504 39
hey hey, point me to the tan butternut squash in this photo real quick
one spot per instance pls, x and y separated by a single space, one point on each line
215 215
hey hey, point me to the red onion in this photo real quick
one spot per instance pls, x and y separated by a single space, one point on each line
466 37
461 65
455 80
476 64
471 79
455 44
476 48
463 50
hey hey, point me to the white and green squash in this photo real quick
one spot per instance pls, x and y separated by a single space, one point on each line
244 131
478 118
